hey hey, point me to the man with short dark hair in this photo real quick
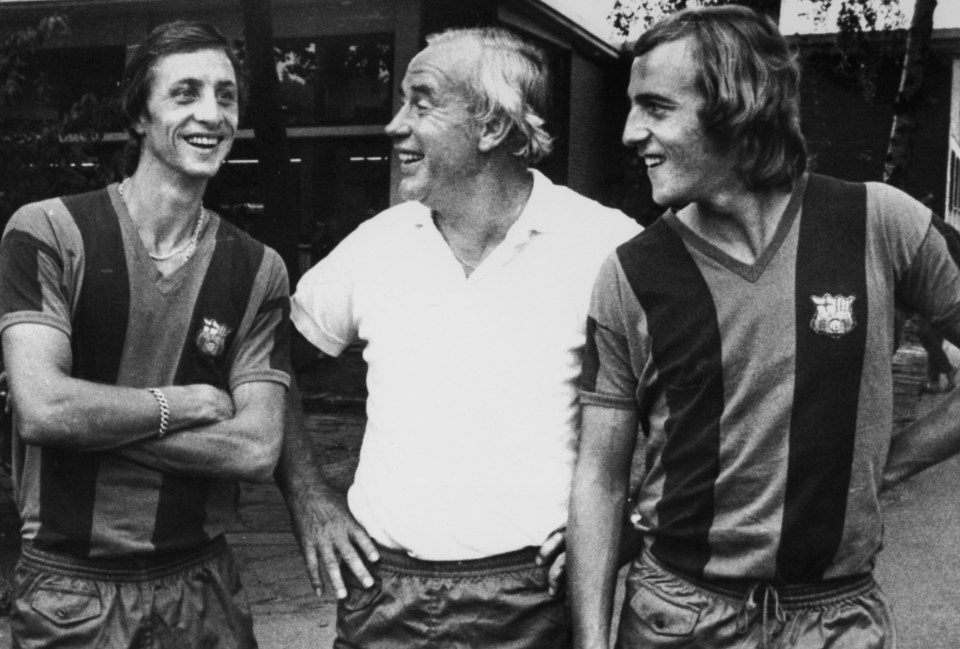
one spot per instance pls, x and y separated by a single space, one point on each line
743 343
146 344
471 298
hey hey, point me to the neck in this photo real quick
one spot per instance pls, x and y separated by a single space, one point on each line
486 211
165 210
477 221
741 223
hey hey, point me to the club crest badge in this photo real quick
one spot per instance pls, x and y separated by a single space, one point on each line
834 316
212 337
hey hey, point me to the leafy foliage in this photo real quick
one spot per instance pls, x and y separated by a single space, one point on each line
40 158
869 32
852 16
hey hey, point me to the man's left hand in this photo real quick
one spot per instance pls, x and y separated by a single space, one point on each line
553 553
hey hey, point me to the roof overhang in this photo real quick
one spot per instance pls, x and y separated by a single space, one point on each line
587 37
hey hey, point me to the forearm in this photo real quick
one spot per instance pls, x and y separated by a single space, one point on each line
593 539
243 447
85 416
597 514
929 440
56 409
298 474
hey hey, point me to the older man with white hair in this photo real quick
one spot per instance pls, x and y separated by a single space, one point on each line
471 298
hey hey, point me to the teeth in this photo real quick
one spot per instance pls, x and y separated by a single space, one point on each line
407 158
202 140
652 161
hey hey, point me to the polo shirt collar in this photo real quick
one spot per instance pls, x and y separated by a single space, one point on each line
540 212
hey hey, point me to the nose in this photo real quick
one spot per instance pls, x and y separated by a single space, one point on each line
206 109
635 130
398 126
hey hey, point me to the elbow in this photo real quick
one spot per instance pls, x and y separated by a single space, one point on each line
258 462
41 426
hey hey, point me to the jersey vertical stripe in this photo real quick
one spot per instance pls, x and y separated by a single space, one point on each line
181 510
99 327
831 254
238 258
280 355
19 257
100 324
686 351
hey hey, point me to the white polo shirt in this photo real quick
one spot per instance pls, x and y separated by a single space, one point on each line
473 409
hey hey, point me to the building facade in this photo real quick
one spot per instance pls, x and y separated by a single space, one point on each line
339 64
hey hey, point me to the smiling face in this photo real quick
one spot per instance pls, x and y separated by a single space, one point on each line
191 113
433 133
665 126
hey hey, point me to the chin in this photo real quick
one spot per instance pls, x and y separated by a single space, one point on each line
411 193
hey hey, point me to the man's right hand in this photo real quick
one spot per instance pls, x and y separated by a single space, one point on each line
329 535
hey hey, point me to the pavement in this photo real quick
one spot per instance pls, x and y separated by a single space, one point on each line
916 568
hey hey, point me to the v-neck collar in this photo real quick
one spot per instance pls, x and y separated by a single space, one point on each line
750 272
165 284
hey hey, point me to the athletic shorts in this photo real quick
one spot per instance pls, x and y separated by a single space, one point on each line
495 602
192 600
663 609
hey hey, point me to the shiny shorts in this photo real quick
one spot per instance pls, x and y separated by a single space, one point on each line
193 600
662 609
495 602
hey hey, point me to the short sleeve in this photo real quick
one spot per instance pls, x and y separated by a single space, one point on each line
608 378
41 255
263 354
322 308
926 257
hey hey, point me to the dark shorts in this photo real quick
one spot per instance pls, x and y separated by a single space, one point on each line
193 600
496 602
662 609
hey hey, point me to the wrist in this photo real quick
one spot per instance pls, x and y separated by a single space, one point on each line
163 426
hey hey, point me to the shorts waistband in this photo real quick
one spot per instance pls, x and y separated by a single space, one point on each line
789 595
122 569
402 562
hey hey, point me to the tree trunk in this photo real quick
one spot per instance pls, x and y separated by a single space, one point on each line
278 226
906 107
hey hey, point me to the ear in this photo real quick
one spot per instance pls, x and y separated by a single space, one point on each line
139 127
494 133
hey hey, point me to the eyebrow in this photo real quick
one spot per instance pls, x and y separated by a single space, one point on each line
427 90
651 97
193 82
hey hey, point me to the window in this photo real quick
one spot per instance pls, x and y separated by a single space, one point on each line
333 81
339 182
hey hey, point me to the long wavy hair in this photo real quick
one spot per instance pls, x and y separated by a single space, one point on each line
749 78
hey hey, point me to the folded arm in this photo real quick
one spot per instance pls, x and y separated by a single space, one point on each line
244 447
209 436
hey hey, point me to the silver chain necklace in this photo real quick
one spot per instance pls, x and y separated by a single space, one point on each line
190 245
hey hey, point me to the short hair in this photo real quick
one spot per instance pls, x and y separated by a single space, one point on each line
177 37
750 81
509 80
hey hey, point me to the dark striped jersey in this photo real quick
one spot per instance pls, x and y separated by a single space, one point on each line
765 390
77 264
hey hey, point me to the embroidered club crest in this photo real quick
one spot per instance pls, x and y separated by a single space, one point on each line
834 315
212 337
